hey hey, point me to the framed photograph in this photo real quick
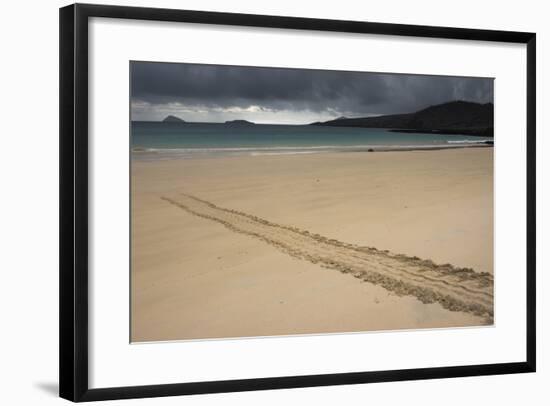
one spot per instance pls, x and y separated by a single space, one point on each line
257 202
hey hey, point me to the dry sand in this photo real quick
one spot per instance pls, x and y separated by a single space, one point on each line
294 244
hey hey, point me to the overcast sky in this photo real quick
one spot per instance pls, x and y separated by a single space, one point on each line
214 93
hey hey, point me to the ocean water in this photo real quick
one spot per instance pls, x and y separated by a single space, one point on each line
156 140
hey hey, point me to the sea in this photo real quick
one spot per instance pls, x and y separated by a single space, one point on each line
164 140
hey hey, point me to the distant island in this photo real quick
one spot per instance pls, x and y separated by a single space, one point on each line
456 117
173 119
239 122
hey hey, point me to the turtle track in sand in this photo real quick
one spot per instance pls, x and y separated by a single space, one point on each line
456 289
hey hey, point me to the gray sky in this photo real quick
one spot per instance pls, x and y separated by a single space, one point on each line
214 93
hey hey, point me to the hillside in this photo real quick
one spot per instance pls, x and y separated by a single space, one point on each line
457 117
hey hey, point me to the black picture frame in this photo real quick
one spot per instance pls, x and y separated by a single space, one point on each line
73 276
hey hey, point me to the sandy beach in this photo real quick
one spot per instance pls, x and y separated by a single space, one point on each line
312 243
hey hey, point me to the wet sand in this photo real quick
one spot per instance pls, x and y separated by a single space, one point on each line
300 244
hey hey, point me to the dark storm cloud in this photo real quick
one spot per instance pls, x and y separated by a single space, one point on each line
226 90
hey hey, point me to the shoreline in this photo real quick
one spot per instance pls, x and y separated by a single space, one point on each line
138 153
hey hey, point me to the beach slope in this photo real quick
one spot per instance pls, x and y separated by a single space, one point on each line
323 243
